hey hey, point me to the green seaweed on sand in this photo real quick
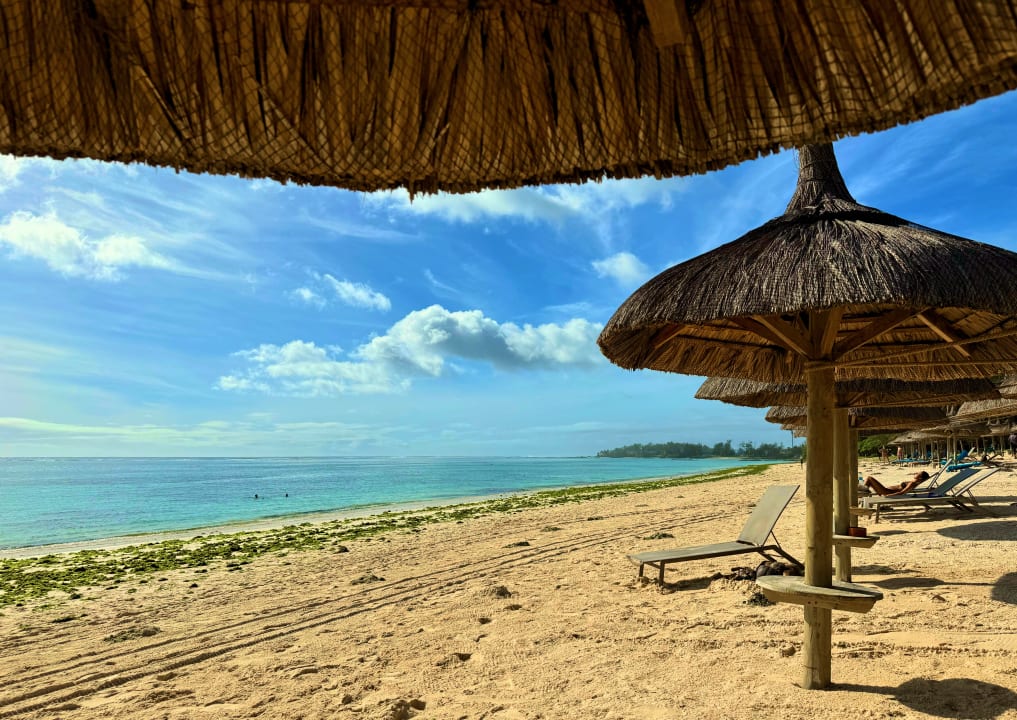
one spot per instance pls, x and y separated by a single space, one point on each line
62 577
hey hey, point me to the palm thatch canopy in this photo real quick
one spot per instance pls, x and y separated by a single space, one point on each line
969 430
915 436
984 410
831 290
829 281
1008 387
897 418
849 393
460 95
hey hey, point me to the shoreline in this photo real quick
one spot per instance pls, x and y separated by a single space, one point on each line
475 612
42 572
318 517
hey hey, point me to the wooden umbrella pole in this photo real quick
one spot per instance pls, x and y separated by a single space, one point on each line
842 489
854 466
816 650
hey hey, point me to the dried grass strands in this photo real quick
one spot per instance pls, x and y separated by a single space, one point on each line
456 95
975 410
894 418
849 393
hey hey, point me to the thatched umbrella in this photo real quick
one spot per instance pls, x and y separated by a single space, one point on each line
984 417
895 418
467 94
976 410
829 286
1008 387
866 392
937 432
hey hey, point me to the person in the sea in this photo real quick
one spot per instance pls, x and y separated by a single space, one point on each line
873 485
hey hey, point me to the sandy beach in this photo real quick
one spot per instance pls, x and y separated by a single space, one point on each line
539 614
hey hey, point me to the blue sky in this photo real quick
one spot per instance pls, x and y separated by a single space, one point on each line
147 312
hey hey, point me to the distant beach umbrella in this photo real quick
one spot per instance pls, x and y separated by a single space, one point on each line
865 392
917 436
977 410
879 393
829 290
460 95
895 418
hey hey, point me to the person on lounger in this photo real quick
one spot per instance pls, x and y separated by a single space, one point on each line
880 489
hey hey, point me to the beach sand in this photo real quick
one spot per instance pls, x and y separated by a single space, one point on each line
538 614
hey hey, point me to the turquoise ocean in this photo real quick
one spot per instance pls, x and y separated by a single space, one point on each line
59 500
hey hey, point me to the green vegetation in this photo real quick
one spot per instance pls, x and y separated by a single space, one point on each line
869 446
766 451
62 577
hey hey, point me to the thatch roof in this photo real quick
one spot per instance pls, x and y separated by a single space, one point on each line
1008 387
831 281
985 410
849 393
913 436
938 432
868 418
466 94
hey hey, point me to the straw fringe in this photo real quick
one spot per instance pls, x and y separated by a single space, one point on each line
459 95
985 410
899 418
849 393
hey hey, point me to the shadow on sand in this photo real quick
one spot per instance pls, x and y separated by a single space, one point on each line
1000 530
950 698
1005 589
898 583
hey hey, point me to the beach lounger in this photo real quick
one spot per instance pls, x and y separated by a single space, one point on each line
754 537
927 485
956 492
928 488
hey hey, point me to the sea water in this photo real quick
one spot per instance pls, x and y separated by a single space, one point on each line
59 500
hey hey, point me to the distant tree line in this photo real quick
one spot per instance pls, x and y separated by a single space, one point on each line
870 445
765 451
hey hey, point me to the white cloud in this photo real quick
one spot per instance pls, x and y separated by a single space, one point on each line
552 204
69 252
344 227
10 167
211 434
425 343
358 294
309 296
623 267
230 382
345 291
440 287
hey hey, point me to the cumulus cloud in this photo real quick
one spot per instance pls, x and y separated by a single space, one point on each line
67 251
346 292
553 204
425 343
623 267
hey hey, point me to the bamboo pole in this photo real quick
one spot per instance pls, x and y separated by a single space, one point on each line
842 489
816 650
